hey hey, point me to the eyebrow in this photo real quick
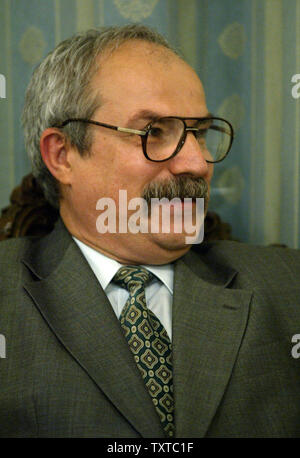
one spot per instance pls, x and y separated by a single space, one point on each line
144 115
149 115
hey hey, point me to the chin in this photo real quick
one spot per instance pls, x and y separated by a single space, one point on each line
171 242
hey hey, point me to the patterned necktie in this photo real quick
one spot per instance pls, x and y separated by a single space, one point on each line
148 341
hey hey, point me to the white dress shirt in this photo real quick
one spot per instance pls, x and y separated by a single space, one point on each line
159 294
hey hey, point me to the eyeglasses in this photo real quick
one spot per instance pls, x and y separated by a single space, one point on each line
163 138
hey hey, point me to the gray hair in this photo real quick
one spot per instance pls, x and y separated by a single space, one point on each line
59 89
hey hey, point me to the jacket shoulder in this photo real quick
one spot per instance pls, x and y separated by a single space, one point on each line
258 266
254 252
11 254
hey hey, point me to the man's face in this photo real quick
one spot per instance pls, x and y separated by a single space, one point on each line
136 83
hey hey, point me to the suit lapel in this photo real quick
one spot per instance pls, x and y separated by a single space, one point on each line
209 321
77 310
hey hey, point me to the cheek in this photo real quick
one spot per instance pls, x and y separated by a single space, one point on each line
95 182
87 185
210 173
133 175
111 168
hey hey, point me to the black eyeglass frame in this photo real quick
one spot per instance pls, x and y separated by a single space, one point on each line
144 133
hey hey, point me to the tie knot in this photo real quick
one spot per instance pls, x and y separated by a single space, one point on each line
132 278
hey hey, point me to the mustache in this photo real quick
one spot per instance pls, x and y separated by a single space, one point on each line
182 186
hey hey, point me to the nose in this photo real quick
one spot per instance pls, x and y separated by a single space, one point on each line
190 159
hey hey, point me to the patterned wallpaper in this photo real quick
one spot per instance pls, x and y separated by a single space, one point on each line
246 53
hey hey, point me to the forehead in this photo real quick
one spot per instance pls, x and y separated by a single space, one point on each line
141 75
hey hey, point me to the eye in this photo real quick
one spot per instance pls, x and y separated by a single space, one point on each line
155 132
201 134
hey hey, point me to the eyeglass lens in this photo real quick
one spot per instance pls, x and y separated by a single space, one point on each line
165 134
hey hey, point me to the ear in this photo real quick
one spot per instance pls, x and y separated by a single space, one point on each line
55 151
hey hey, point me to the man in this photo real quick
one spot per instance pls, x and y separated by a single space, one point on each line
133 333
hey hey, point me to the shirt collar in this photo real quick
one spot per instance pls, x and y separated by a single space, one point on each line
105 268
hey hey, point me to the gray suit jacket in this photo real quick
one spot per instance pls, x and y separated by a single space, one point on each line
69 372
